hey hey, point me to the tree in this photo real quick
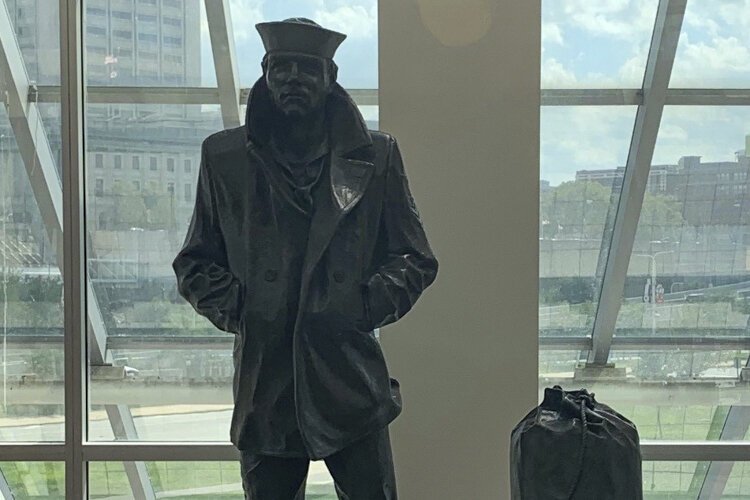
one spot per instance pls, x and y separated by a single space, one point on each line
574 209
661 219
578 210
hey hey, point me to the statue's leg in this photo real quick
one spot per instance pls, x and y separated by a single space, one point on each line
273 478
364 469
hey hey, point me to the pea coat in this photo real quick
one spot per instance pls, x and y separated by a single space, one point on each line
318 368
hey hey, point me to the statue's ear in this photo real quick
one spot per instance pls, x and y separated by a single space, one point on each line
264 64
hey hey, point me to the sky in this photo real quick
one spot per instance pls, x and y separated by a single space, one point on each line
357 57
585 44
604 44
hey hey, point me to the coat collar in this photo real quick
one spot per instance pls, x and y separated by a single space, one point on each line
351 165
347 129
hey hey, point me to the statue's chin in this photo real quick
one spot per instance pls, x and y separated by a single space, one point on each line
295 112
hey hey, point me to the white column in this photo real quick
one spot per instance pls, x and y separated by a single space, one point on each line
459 88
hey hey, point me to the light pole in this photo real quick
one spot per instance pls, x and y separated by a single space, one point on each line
653 283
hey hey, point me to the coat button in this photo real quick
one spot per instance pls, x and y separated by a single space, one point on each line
270 275
338 276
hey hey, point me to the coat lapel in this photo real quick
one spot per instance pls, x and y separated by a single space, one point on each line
264 159
345 185
349 178
348 173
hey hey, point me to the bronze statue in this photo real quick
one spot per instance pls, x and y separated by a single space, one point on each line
304 239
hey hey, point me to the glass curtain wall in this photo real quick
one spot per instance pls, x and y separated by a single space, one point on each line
158 375
645 157
31 251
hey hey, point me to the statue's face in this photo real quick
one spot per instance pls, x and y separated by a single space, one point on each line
298 83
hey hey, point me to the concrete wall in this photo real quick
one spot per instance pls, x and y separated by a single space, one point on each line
459 88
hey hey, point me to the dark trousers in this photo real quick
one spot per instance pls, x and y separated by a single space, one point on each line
361 471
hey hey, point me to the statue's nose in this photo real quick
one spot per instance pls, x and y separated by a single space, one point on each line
293 71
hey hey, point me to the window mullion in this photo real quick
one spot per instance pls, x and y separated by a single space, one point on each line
74 253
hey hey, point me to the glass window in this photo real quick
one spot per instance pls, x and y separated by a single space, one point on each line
679 357
166 390
119 14
193 480
32 387
595 44
147 37
356 57
578 194
95 30
35 479
172 41
694 480
171 21
713 50
143 237
688 271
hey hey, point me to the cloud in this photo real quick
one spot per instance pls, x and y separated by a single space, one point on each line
712 132
552 33
623 19
734 12
245 15
583 137
356 21
555 75
671 132
700 22
714 63
632 70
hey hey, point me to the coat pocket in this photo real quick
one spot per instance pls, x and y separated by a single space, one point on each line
349 302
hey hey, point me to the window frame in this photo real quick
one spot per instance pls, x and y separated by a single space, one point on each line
77 450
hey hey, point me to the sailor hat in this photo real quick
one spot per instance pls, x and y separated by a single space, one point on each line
299 35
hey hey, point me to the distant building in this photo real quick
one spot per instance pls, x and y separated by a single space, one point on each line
711 193
150 151
612 178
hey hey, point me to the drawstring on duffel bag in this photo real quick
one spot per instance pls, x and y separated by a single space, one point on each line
585 399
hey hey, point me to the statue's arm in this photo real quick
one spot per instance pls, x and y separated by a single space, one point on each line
203 275
410 265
